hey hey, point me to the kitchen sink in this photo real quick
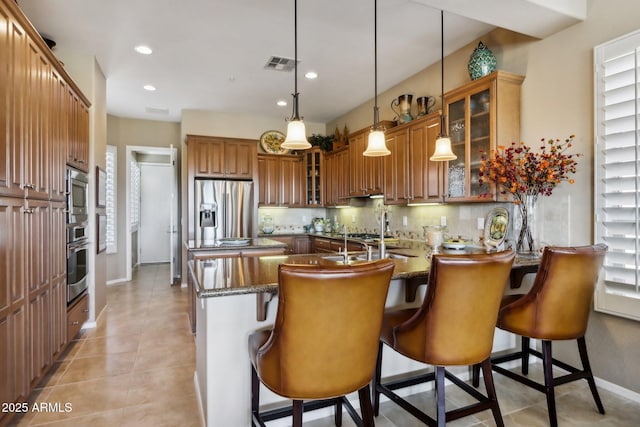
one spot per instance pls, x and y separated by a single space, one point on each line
363 257
341 258
377 256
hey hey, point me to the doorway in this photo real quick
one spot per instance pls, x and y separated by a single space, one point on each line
154 231
152 209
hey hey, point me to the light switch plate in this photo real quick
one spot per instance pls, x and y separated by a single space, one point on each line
481 223
404 220
443 221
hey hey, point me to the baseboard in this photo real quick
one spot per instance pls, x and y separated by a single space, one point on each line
199 399
616 389
116 281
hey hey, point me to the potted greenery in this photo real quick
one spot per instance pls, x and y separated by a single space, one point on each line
324 142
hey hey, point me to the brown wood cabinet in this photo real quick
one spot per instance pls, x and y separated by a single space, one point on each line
280 180
295 244
44 126
214 157
337 178
480 115
76 316
328 245
366 175
14 384
410 177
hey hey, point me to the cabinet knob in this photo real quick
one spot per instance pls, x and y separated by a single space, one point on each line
86 310
28 210
75 322
30 186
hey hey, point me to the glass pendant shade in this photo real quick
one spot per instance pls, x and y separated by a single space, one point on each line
296 136
377 145
443 151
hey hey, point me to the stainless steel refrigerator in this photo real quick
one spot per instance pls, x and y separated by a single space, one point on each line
223 209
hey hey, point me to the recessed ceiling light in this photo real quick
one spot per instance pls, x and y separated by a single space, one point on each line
144 50
282 103
311 75
150 88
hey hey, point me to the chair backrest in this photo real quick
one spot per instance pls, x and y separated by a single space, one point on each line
457 319
327 328
558 305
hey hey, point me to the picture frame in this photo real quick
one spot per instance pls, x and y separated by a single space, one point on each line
101 187
496 227
101 233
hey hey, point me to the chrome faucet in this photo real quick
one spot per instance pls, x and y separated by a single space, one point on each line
383 226
346 254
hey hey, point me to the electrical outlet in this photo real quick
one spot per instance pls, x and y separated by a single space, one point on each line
443 221
353 218
304 219
405 222
481 223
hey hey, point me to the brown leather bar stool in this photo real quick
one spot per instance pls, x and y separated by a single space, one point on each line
454 326
324 341
556 308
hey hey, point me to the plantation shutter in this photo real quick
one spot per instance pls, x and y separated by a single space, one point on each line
111 194
617 178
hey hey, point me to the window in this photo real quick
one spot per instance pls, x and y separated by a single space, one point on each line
135 195
111 205
617 175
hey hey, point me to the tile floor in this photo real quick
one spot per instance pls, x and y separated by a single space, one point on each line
136 369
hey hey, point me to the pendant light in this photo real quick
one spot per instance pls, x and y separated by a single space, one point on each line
376 145
296 133
443 151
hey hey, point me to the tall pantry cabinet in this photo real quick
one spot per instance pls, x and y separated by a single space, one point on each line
44 125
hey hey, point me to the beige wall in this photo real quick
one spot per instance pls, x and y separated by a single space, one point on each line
123 132
557 100
86 72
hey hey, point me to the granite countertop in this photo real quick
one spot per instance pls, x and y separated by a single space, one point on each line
257 243
216 277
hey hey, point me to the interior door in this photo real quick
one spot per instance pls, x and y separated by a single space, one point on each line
173 229
155 213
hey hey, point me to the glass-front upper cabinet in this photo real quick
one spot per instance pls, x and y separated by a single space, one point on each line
314 171
478 123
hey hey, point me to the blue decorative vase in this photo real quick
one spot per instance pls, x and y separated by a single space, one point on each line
482 62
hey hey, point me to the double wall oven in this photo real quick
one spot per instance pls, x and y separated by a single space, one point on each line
77 233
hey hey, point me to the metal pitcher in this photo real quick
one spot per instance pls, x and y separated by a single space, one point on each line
424 104
402 107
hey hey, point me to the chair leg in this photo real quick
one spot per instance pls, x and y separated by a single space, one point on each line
365 406
491 391
337 417
475 375
441 413
376 380
525 355
547 362
255 393
586 366
297 413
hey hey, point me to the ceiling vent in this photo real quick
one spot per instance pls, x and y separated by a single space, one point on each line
277 63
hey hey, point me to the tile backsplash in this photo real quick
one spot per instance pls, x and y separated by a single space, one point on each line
406 222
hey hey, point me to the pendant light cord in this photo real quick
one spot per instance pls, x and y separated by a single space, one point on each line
375 65
296 115
443 130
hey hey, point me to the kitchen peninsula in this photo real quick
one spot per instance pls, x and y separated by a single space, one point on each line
237 295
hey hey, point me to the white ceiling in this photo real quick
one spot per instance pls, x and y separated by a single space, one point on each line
210 54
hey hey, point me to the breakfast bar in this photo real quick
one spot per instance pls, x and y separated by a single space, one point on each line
237 295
